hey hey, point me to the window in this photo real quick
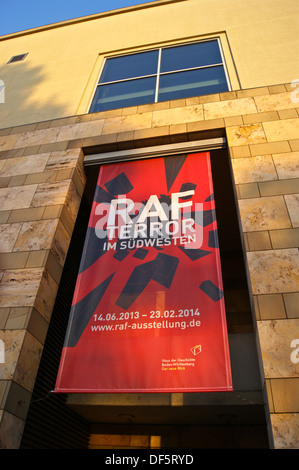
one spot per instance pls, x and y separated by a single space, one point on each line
17 58
160 75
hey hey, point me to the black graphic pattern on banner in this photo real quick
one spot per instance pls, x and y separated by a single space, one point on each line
93 249
209 288
119 185
84 310
140 253
173 166
120 255
213 239
187 187
194 253
202 218
161 270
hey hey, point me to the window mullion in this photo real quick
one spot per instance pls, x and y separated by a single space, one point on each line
192 68
126 79
158 76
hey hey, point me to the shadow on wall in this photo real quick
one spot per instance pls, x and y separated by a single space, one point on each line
24 102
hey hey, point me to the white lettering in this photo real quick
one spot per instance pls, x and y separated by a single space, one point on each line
101 209
116 460
295 84
295 353
153 220
116 209
155 229
125 231
175 229
188 224
171 459
2 352
176 205
140 230
157 212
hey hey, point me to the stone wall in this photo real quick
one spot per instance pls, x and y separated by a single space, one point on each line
41 183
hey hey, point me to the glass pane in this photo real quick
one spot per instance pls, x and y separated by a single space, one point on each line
192 83
190 55
124 94
133 65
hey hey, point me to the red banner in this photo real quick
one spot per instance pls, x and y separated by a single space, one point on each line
148 309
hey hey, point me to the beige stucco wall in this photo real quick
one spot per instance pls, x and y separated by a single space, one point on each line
57 78
42 179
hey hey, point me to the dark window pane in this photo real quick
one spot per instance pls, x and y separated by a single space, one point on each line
134 65
188 56
124 94
192 83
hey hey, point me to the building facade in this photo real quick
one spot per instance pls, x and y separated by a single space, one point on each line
67 105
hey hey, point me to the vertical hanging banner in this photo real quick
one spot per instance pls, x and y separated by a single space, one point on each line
148 308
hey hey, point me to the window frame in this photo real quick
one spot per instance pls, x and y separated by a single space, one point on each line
17 58
158 73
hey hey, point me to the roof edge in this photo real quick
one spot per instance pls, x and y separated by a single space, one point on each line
141 6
